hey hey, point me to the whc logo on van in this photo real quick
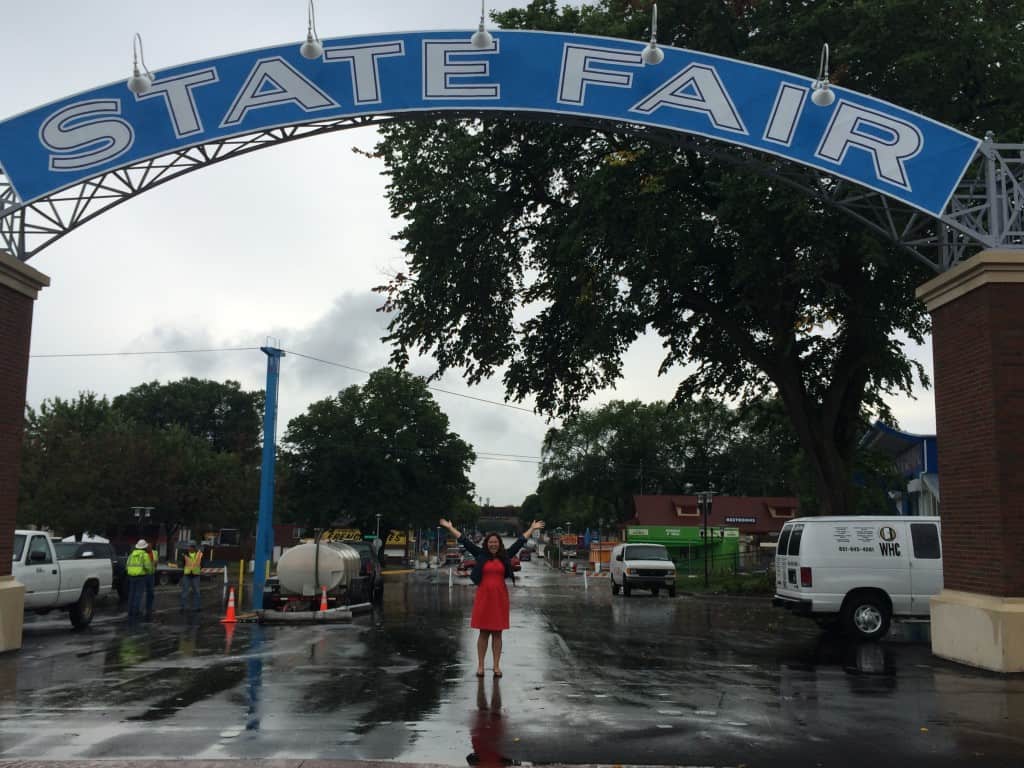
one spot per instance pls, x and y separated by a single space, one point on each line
888 546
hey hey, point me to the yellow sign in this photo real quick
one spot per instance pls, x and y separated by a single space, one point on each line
396 539
342 534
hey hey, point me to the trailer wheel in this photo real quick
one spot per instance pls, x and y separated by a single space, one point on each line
81 612
163 579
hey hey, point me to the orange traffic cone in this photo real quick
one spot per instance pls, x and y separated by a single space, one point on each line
229 617
323 598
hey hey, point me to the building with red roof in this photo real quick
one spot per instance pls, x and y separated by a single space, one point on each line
761 517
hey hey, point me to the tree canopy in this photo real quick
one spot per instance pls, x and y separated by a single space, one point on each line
383 448
544 251
85 463
222 413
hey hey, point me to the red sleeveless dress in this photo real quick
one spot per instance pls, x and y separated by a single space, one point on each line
491 607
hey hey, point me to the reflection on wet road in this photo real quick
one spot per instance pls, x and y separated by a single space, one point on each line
588 678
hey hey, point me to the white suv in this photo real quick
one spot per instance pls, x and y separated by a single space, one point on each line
643 566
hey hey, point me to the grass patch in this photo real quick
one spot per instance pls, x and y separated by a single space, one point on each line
729 584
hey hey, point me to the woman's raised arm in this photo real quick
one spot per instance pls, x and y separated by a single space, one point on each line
447 525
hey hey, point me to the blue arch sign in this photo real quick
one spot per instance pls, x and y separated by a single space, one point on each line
868 141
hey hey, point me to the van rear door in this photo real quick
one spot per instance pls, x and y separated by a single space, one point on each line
780 557
793 557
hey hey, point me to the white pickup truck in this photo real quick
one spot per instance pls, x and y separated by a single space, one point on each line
69 578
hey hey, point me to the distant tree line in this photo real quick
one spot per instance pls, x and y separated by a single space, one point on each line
599 459
191 450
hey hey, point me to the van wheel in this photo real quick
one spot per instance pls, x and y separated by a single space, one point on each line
626 589
671 591
615 587
81 612
655 591
866 617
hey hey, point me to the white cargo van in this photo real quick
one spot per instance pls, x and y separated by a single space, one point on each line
642 566
859 571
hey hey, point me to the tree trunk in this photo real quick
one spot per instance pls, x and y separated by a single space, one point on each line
831 470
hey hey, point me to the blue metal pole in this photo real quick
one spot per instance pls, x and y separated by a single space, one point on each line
265 524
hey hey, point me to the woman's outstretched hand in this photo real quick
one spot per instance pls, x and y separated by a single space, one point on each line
446 524
536 525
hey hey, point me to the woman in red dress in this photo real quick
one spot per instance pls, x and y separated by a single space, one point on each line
490 606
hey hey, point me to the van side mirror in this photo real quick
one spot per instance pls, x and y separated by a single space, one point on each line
619 557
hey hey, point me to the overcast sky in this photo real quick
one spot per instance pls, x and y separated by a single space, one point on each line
285 243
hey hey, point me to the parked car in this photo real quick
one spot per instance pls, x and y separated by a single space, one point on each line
70 581
642 566
525 555
859 572
452 555
369 586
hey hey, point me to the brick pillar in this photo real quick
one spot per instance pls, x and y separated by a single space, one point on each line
977 313
19 286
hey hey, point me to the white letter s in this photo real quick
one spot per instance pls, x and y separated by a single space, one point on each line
84 137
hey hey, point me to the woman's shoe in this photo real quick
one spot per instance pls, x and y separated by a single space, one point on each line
480 673
497 674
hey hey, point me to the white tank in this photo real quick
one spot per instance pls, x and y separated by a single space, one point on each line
301 572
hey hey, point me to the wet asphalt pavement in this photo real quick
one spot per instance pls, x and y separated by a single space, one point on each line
588 678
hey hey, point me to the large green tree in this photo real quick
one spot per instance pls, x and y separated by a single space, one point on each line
383 448
599 459
544 251
222 413
85 464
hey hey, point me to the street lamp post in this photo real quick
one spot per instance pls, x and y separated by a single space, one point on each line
704 503
141 514
378 524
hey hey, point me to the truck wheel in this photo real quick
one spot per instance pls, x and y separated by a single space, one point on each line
655 591
866 617
163 579
671 591
626 589
615 587
82 611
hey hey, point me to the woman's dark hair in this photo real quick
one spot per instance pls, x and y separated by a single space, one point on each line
501 554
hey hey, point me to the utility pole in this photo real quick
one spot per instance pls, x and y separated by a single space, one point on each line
265 522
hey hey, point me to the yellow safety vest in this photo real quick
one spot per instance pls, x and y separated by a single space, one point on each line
150 563
192 563
138 563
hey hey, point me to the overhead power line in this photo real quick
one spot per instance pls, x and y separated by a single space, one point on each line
431 388
150 352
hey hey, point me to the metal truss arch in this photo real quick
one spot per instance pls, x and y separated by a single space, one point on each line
986 211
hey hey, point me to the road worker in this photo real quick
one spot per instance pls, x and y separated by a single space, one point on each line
150 581
136 568
190 579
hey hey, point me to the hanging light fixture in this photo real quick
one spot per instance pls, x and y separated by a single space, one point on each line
141 80
822 94
652 53
312 48
481 39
